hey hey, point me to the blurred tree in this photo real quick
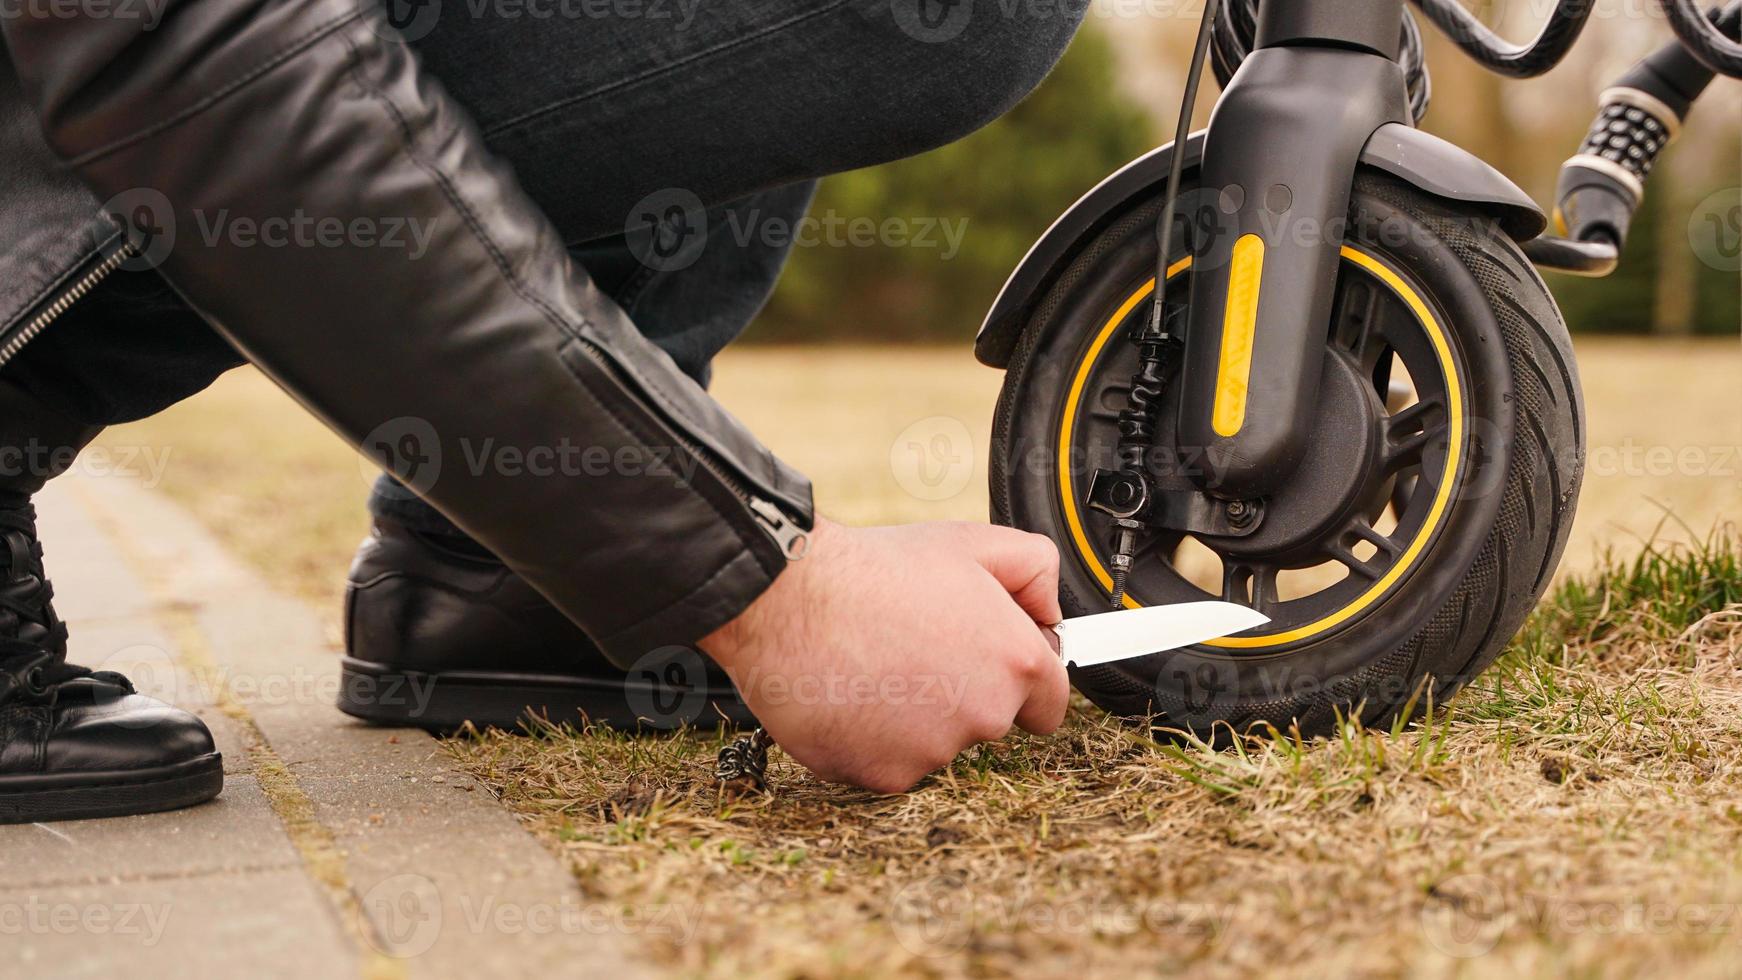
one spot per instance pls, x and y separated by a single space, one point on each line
1117 90
997 190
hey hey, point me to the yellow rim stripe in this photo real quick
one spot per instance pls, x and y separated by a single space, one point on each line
1239 324
1442 498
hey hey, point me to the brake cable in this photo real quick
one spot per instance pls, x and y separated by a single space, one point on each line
1157 341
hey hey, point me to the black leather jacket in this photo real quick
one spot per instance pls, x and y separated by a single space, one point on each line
493 337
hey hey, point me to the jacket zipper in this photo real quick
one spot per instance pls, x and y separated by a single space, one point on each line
61 303
775 522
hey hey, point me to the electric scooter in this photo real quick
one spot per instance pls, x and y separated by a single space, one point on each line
1302 361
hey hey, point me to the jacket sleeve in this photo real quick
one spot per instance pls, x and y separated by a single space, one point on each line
485 369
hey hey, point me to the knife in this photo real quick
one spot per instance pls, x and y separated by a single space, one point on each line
1089 641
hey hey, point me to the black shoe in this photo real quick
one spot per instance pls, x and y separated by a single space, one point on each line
77 744
438 632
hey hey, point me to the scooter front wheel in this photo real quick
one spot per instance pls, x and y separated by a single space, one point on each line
1406 550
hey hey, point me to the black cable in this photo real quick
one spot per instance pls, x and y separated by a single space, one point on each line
1503 57
1712 42
1137 422
1176 172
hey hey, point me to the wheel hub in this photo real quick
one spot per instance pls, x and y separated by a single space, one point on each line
1338 475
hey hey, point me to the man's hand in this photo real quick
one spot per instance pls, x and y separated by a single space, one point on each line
884 652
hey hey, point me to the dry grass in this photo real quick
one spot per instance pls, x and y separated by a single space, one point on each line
1576 812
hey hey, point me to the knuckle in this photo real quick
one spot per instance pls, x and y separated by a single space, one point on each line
1032 669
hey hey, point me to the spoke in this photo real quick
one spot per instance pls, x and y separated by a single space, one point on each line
1409 433
1235 580
1403 491
1382 366
1249 585
1368 533
1263 588
1343 556
1359 317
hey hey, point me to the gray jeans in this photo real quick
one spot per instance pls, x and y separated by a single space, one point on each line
659 135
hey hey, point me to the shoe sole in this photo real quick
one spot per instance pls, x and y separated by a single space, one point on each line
89 796
449 701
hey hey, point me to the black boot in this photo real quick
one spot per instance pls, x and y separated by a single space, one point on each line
438 632
74 743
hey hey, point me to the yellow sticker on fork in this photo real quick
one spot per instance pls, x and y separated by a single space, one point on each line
1239 324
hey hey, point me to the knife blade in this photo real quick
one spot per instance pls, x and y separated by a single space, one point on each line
1089 641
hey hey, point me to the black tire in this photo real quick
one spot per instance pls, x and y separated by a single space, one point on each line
1481 560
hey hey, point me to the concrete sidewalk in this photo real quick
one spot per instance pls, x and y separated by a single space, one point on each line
335 850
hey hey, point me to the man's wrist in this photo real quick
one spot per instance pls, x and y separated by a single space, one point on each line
779 607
